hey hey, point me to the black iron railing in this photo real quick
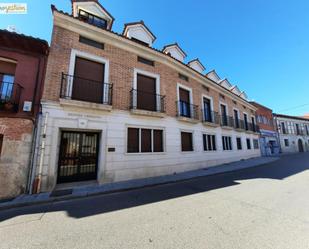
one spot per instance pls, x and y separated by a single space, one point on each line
77 88
227 121
210 116
187 110
147 101
9 96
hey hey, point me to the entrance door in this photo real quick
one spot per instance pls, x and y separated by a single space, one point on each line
78 156
88 81
300 146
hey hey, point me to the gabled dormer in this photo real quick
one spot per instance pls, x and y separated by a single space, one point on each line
244 95
213 76
92 12
175 51
225 83
235 90
196 65
139 32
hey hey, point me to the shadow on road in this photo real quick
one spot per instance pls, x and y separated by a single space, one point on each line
285 167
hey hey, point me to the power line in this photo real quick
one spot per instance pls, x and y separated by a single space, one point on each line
292 108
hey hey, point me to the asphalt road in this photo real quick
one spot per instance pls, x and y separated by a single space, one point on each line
262 207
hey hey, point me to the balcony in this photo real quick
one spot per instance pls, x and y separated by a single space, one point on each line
9 96
147 103
210 118
227 122
187 112
79 91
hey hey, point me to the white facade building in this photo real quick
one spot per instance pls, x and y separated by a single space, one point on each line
293 133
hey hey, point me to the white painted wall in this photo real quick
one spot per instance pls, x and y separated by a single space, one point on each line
119 165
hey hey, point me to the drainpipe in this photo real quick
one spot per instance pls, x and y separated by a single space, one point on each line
38 180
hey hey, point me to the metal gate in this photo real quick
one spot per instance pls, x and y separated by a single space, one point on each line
78 156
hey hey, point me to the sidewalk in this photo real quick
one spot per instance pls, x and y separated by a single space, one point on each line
79 192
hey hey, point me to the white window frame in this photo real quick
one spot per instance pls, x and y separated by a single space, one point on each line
190 94
149 74
76 53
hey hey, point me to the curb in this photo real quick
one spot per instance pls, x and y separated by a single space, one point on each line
84 192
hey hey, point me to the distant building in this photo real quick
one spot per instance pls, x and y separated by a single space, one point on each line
269 142
22 66
293 133
306 116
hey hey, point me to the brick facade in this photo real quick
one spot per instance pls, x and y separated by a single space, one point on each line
122 64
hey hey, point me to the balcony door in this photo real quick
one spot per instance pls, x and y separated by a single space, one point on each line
88 82
223 114
236 119
184 103
146 93
207 110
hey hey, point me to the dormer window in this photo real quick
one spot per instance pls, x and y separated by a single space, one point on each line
174 51
92 19
196 65
92 12
138 32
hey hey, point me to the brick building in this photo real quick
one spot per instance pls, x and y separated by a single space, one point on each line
269 141
22 64
115 108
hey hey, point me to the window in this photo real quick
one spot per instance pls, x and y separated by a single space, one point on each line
226 143
1 143
92 19
186 141
88 81
223 115
307 130
146 93
184 103
209 142
253 124
140 140
236 119
90 42
255 144
239 145
246 121
248 143
145 61
7 72
207 110
183 77
297 129
286 142
283 128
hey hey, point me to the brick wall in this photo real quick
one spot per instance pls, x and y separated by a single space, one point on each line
122 64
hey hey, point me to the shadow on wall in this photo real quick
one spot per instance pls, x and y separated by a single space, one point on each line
287 166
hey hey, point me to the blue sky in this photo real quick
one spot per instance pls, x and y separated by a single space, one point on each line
260 45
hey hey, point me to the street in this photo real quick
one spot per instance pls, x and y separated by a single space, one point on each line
261 207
